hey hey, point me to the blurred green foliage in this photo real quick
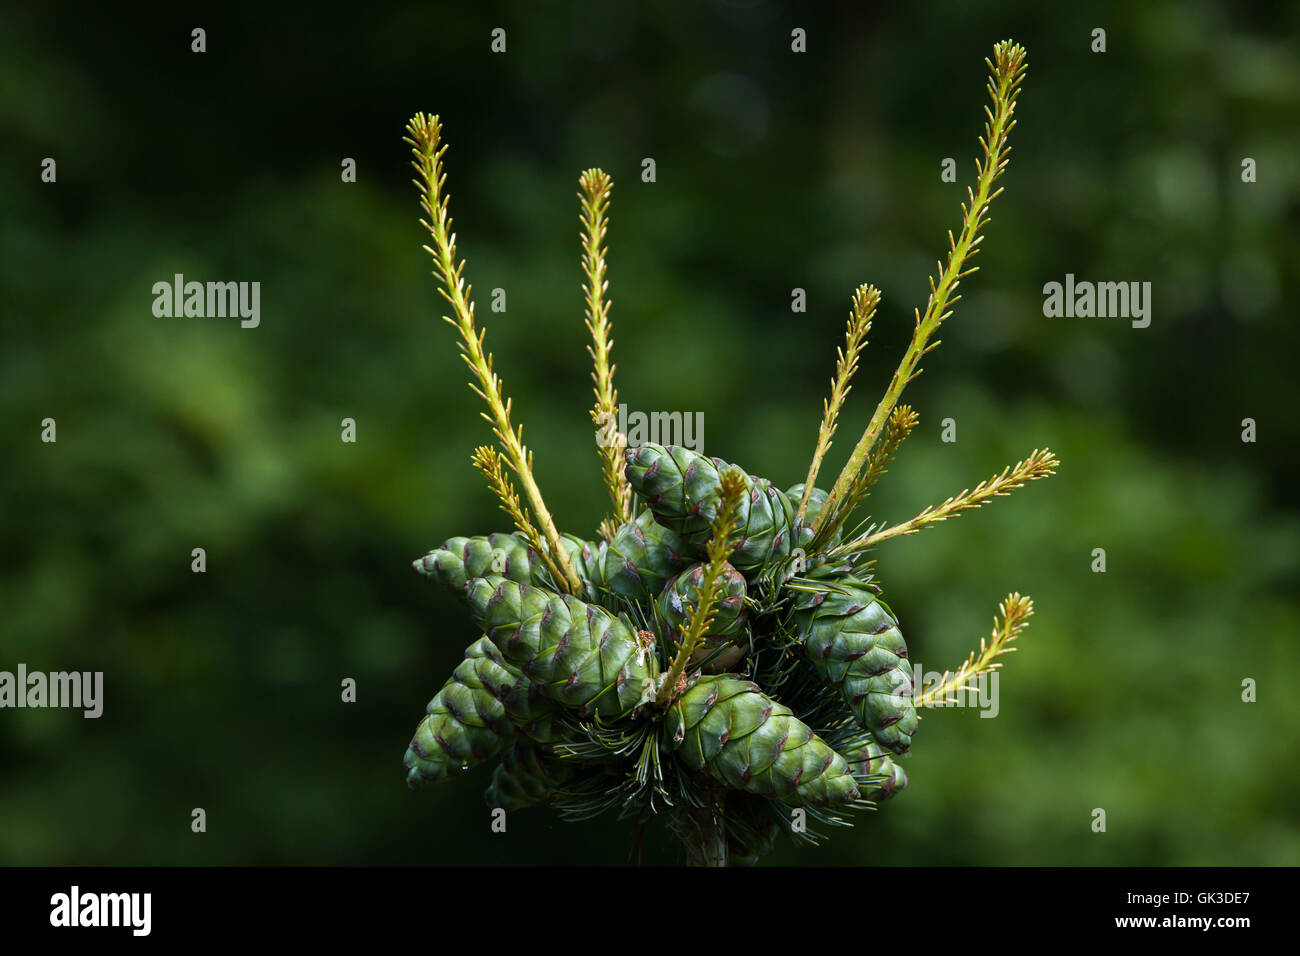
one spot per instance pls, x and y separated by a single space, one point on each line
775 170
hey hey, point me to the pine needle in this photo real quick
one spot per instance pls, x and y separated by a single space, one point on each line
1006 71
865 300
608 528
489 462
718 550
424 134
1015 611
901 422
1040 464
596 187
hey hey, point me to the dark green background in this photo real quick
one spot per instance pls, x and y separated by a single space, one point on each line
223 688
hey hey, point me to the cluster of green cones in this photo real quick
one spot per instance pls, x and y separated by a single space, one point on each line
799 697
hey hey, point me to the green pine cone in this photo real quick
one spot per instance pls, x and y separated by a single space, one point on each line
527 776
815 502
532 712
467 721
854 642
641 559
586 557
458 560
683 489
577 653
680 596
868 757
750 742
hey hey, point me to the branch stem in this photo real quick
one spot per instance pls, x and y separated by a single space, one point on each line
1005 76
596 187
424 133
1016 612
702 614
865 300
1040 464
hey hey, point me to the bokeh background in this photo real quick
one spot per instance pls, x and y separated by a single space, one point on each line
775 170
